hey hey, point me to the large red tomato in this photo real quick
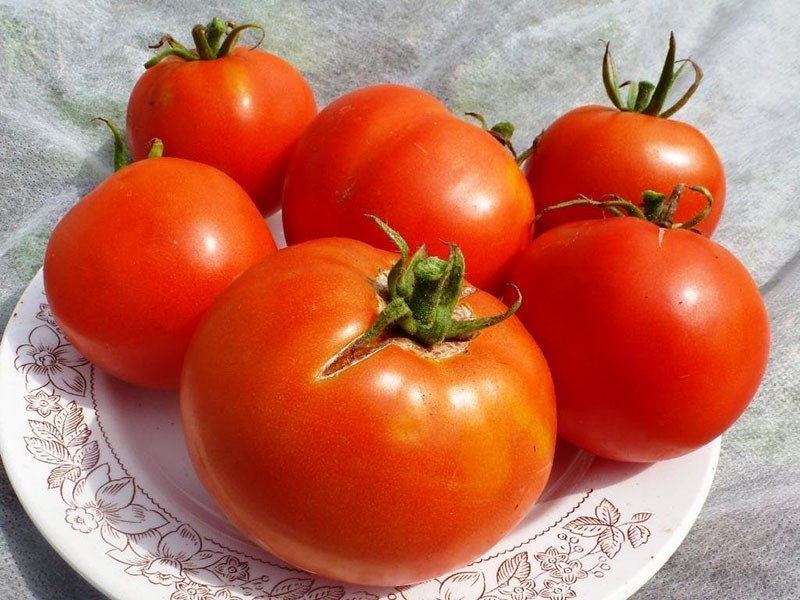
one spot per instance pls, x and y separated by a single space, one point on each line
131 268
598 151
382 462
657 338
238 109
400 154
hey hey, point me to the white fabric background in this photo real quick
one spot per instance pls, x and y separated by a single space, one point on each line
62 63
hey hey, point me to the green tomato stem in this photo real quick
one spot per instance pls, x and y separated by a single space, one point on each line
670 205
617 206
201 44
175 48
120 154
657 208
665 81
502 132
232 39
644 97
156 148
698 76
424 292
526 154
215 31
611 80
215 40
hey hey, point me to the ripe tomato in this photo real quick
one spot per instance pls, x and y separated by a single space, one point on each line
377 464
238 109
400 154
130 269
597 151
657 339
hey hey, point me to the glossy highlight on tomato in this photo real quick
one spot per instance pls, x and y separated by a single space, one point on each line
383 467
398 153
132 267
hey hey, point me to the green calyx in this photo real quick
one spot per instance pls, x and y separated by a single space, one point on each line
212 41
657 208
423 292
121 159
502 132
120 154
645 97
660 209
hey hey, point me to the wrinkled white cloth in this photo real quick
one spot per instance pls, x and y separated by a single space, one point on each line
63 63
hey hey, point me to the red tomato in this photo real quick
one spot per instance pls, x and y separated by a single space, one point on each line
657 339
400 154
597 151
402 465
131 268
241 112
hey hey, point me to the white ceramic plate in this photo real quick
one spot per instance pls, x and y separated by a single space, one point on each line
102 470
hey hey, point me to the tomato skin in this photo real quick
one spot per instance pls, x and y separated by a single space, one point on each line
242 114
391 471
399 154
657 339
130 269
597 150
